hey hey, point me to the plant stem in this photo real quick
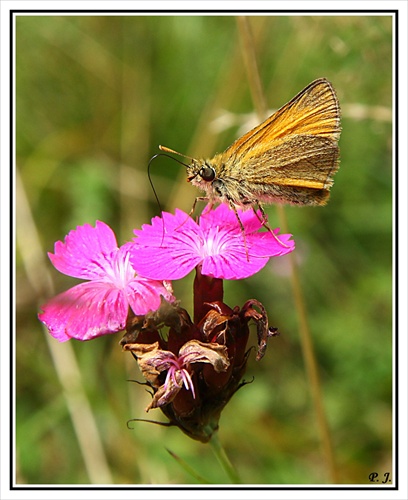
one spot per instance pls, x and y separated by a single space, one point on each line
206 289
223 459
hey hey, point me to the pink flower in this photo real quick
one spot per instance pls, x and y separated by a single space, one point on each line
100 305
172 246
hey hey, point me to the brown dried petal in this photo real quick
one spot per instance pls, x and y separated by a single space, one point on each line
148 357
213 323
168 314
195 351
261 320
166 394
145 329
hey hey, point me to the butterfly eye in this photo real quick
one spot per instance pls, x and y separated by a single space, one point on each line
207 173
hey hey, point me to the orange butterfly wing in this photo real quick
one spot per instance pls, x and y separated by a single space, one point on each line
314 111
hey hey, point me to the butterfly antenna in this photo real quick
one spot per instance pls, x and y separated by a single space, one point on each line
168 150
162 148
151 182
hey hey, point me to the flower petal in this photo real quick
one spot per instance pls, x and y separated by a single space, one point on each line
215 354
166 393
151 360
172 250
234 261
85 311
143 295
85 251
223 215
266 244
167 254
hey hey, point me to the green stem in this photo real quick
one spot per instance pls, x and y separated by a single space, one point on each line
223 459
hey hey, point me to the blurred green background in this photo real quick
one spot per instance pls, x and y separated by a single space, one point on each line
95 97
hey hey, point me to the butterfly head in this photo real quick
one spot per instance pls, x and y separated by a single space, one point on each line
200 171
202 174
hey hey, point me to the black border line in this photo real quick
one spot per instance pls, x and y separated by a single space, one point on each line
12 397
396 243
392 12
208 11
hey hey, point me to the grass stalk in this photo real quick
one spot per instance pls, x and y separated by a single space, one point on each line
249 55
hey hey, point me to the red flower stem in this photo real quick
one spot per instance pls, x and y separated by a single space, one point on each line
206 289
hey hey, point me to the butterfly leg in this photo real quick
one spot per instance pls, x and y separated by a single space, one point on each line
264 221
199 198
234 208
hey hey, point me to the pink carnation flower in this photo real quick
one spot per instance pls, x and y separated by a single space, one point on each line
172 246
100 305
